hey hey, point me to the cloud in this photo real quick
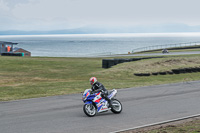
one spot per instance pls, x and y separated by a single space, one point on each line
3 6
65 14
12 3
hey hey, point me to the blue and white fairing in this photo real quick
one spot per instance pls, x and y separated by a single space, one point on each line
101 104
87 98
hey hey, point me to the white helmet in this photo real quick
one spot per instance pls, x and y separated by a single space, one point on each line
93 80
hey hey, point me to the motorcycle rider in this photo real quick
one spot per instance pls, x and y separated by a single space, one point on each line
97 87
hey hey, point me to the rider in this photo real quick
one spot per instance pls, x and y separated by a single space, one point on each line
97 86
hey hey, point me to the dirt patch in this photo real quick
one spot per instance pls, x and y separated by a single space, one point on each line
171 125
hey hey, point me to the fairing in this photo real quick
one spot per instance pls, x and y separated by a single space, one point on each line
101 104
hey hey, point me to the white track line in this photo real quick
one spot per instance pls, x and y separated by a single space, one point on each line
158 123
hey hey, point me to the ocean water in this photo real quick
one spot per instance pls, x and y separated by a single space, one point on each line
78 45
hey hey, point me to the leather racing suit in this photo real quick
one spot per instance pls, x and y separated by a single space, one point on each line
97 87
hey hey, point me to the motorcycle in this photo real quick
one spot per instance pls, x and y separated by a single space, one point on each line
165 51
94 103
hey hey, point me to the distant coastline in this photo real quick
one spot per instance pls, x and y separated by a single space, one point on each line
160 28
176 34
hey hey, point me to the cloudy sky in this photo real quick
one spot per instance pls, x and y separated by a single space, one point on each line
68 14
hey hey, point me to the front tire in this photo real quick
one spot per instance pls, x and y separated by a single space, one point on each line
116 106
89 110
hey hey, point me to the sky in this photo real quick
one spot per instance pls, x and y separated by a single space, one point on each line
47 15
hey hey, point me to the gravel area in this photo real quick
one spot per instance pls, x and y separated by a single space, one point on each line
171 124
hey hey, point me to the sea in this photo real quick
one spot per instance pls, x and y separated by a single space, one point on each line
88 45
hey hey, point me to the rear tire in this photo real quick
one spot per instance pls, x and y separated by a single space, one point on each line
116 106
89 110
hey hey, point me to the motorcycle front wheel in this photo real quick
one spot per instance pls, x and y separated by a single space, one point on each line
116 106
89 110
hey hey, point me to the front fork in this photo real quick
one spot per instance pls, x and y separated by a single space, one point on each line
91 102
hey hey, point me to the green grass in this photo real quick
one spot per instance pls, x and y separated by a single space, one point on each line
44 76
35 77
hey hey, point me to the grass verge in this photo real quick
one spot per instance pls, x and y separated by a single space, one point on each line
44 76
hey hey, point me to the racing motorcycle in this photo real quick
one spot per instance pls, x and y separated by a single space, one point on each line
94 103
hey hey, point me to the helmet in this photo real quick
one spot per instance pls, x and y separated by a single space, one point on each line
93 80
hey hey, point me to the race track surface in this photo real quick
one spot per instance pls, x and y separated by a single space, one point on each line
153 54
64 114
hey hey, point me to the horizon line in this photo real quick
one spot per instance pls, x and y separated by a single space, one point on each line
161 34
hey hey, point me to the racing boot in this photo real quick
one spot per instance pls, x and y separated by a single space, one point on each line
109 102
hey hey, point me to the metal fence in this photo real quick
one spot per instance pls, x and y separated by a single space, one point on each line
165 46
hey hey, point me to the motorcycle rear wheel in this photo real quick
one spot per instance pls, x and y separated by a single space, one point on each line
116 106
89 110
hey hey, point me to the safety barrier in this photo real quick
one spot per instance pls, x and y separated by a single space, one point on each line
108 63
12 54
167 46
173 71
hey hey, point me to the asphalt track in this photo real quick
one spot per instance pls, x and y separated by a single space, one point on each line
64 114
154 54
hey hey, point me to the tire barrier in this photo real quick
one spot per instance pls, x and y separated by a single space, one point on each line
108 63
170 72
176 71
155 73
173 71
12 54
146 74
142 74
162 73
138 74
